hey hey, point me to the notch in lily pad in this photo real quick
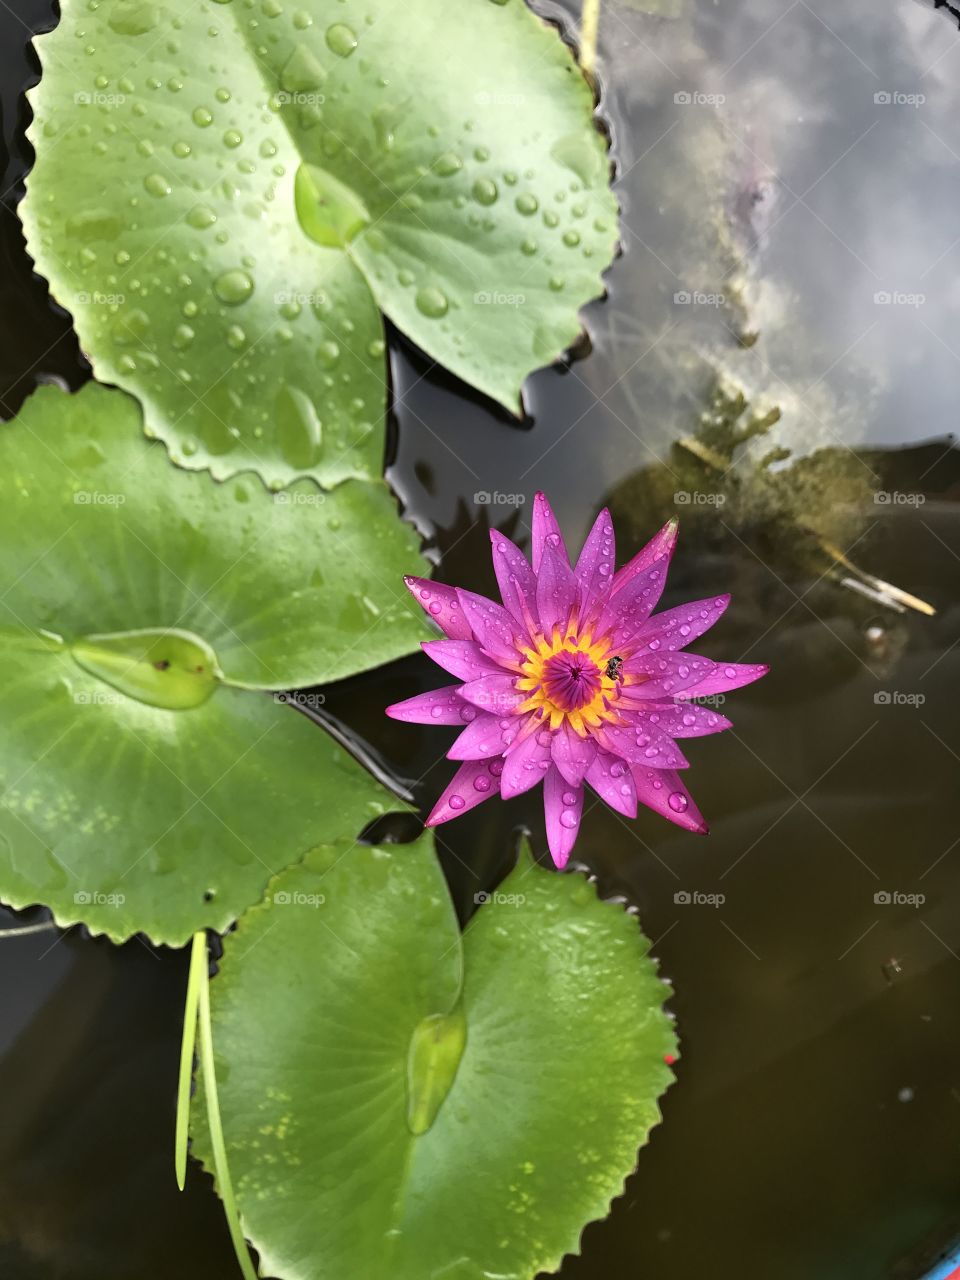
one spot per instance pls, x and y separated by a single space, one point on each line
327 210
436 1048
162 667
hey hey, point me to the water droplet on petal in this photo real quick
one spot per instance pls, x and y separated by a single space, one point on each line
132 18
201 216
485 191
342 41
447 164
233 287
432 302
677 801
157 185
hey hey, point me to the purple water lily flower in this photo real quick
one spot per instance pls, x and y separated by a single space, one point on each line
572 681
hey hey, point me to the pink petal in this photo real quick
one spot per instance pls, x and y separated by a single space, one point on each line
516 580
667 675
493 628
612 780
687 720
642 743
462 658
562 807
676 628
474 782
496 694
556 591
628 609
525 765
727 676
439 706
594 571
662 791
484 737
572 754
661 544
545 531
441 603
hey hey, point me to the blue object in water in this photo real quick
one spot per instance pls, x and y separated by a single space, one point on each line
947 1269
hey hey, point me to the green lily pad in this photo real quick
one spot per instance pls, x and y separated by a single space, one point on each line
147 780
398 1102
227 196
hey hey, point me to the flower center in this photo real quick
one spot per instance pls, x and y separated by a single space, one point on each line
570 680
566 679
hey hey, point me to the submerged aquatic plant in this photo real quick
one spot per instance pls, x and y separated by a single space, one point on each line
571 680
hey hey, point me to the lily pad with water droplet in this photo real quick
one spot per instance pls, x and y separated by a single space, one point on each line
402 1102
149 780
278 181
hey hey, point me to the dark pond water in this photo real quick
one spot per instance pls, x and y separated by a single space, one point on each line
778 361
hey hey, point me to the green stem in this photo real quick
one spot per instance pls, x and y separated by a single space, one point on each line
198 967
21 931
224 1184
589 25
